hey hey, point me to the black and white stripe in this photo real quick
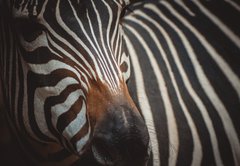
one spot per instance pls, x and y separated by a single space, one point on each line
186 69
185 58
51 53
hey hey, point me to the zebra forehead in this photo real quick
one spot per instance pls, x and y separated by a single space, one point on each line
28 8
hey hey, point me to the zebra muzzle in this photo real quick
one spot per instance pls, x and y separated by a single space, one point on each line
121 138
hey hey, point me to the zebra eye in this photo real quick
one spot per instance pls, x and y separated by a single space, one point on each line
29 29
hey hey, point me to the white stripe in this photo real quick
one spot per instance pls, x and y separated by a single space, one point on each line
225 68
40 41
144 103
98 51
61 108
117 3
84 84
40 96
44 22
115 84
80 144
115 29
76 125
127 2
25 108
197 149
118 48
209 90
74 35
98 46
73 67
172 126
107 73
35 8
235 39
110 22
21 12
233 4
50 48
51 66
181 3
40 15
64 52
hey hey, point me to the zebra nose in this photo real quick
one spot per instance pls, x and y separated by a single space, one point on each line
121 138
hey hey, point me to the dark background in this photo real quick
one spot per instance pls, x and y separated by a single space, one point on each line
9 156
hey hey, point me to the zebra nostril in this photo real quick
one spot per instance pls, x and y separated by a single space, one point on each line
104 152
121 138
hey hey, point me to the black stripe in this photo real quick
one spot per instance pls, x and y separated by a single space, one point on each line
54 100
155 99
224 12
220 83
35 81
66 118
193 110
212 74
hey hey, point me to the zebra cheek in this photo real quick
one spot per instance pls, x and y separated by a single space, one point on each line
97 102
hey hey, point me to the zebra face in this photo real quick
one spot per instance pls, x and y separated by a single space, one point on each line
74 71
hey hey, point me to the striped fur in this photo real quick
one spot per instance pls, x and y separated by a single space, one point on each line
185 57
185 79
52 54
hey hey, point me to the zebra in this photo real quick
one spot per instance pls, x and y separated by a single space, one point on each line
189 52
64 67
185 59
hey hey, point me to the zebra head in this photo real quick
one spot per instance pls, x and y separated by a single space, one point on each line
74 72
